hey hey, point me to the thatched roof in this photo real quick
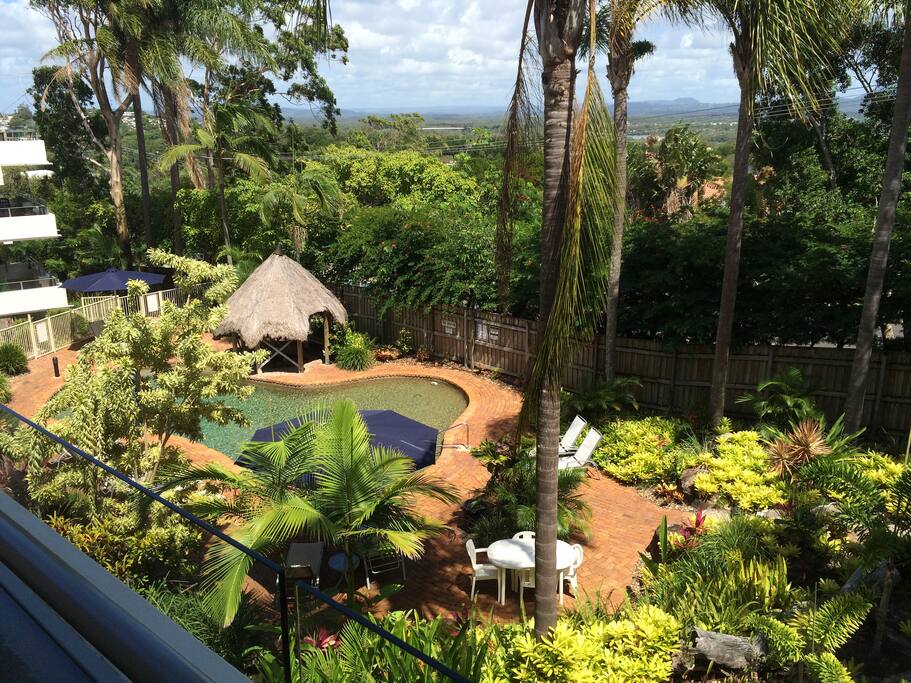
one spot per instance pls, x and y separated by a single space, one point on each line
276 302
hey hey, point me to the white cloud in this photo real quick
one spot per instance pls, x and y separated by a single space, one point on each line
405 54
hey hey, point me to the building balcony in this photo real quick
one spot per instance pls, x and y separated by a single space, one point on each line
19 152
29 296
24 219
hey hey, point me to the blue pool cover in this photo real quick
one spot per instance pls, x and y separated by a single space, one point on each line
387 428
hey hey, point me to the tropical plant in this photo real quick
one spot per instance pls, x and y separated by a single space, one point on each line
13 360
6 394
739 471
354 350
358 496
298 198
230 135
510 502
615 396
783 400
646 450
577 216
885 14
780 45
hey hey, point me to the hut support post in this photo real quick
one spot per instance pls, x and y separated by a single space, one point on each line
326 338
300 356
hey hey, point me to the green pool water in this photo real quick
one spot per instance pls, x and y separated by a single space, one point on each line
433 402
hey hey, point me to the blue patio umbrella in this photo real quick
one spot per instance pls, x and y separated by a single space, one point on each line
387 428
111 280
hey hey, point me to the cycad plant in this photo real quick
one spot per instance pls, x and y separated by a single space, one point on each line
322 479
231 136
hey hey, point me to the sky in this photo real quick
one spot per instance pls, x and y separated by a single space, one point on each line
408 54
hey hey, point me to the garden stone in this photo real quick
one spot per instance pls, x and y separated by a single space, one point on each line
653 549
688 481
732 652
770 514
717 514
826 510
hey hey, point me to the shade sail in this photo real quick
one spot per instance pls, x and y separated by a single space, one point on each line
387 428
111 280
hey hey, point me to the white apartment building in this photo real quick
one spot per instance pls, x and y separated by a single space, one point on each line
24 287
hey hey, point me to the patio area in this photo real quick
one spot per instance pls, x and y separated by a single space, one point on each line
622 524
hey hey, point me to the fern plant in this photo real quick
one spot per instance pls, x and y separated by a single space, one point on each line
610 398
782 400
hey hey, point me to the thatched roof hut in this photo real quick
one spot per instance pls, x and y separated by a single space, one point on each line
274 305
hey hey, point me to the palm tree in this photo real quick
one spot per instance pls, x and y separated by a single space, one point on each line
323 479
233 135
616 23
299 198
882 233
776 44
578 210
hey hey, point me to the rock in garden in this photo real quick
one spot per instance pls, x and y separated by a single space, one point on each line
717 514
732 652
688 480
771 513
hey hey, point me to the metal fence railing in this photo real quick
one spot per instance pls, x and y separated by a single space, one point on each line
39 337
276 568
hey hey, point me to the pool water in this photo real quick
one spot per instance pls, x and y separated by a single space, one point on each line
434 402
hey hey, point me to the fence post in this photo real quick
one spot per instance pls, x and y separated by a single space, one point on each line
673 386
769 363
527 345
33 338
50 333
465 337
878 397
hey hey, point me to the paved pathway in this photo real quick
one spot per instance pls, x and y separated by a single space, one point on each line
622 523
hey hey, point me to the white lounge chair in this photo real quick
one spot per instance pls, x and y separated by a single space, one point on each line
568 442
572 574
480 571
583 456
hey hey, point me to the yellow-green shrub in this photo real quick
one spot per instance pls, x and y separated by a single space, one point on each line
634 647
644 450
739 470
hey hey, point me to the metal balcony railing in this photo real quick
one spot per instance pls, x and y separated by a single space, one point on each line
36 283
17 134
282 580
10 208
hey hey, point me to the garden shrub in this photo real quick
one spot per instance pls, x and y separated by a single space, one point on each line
355 351
136 556
188 608
739 471
646 450
636 646
6 394
13 360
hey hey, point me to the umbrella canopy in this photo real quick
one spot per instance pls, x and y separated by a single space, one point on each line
387 428
111 280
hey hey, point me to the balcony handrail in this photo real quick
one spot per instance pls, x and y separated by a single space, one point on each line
35 283
10 208
278 569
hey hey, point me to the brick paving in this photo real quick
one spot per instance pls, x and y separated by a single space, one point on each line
622 521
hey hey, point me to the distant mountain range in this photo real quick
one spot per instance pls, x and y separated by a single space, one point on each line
684 108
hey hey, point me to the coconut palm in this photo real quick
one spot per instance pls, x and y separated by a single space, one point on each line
577 215
323 479
299 198
233 135
885 218
776 44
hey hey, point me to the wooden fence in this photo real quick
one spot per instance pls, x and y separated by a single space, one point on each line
46 335
674 378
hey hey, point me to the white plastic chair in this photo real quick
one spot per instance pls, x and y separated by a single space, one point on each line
524 536
480 571
583 456
526 580
572 574
568 442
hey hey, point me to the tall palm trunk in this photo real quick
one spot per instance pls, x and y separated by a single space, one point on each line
223 208
882 236
115 162
143 169
166 104
559 84
621 101
743 65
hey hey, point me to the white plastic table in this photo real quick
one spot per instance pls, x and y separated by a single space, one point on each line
518 555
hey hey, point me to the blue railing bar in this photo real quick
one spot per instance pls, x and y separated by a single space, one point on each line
277 568
383 633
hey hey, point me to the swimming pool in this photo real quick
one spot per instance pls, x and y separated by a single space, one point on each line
433 402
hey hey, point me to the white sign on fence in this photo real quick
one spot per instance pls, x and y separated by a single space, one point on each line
41 331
